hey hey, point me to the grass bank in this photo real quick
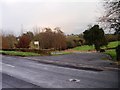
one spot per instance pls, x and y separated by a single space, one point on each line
89 48
113 44
25 54
112 53
84 48
18 53
108 51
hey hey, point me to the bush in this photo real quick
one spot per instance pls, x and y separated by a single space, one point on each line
111 37
102 50
23 42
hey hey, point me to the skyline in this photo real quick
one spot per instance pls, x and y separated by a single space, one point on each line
71 17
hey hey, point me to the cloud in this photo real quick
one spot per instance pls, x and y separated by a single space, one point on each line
71 17
17 1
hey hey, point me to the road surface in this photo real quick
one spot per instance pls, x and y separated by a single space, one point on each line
50 76
12 82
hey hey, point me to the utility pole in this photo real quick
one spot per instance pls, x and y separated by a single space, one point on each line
22 29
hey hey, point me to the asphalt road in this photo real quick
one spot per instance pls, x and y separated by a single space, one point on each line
50 76
80 59
12 82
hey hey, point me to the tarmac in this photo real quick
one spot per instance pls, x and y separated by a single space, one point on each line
94 61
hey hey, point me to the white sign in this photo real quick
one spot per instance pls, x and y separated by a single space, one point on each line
36 42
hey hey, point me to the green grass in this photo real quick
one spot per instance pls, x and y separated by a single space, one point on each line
23 54
18 53
84 48
112 53
113 44
88 48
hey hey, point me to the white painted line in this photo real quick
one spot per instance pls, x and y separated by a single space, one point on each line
7 64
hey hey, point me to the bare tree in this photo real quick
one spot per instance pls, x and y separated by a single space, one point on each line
23 42
51 39
112 14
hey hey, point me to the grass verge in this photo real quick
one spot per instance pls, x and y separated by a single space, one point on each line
112 53
113 44
18 53
84 48
90 48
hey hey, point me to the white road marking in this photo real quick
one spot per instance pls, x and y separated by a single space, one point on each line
7 64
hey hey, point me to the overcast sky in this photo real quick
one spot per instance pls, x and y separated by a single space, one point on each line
72 16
